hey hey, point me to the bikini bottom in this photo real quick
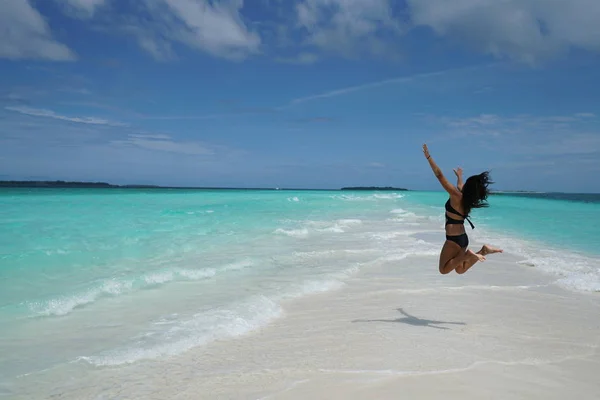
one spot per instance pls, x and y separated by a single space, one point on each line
461 240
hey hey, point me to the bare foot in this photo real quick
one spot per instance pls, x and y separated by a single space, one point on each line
485 250
479 257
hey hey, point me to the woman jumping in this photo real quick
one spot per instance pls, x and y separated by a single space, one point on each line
473 193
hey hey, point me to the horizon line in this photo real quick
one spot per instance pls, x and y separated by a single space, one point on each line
49 184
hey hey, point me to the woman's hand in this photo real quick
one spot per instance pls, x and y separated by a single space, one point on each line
426 151
459 178
439 175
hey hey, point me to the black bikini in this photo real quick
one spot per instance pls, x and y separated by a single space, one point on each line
462 240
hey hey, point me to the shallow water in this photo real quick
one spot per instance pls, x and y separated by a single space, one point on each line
113 277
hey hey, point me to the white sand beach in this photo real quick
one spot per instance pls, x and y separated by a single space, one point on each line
396 329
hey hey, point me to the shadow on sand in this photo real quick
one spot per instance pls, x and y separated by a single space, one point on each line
412 320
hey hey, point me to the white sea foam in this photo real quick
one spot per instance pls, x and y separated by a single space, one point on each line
330 253
170 335
237 265
159 277
297 233
333 229
198 330
304 228
372 197
419 248
403 213
389 235
313 254
196 274
314 286
360 251
327 282
340 226
349 221
573 270
63 305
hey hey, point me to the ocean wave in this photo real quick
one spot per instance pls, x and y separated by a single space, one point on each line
573 271
64 305
385 236
341 225
327 223
402 212
372 197
335 226
297 233
397 256
202 328
329 253
171 336
349 221
200 212
327 282
388 196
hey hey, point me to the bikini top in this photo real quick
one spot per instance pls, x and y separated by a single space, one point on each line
450 220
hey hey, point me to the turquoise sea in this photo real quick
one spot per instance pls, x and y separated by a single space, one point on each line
117 276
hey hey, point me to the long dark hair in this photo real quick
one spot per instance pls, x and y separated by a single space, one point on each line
475 192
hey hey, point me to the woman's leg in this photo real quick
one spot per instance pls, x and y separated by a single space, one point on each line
474 257
487 249
468 261
453 257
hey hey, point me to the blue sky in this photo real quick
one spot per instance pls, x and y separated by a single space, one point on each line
308 93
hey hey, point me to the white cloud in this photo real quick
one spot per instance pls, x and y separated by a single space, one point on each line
585 115
216 28
37 112
85 8
161 142
160 49
574 143
527 135
495 124
212 27
80 91
480 120
300 59
159 136
523 30
26 35
348 26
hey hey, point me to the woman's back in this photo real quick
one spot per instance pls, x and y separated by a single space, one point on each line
454 216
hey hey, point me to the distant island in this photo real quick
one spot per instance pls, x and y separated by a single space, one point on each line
103 185
389 188
509 192
65 184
